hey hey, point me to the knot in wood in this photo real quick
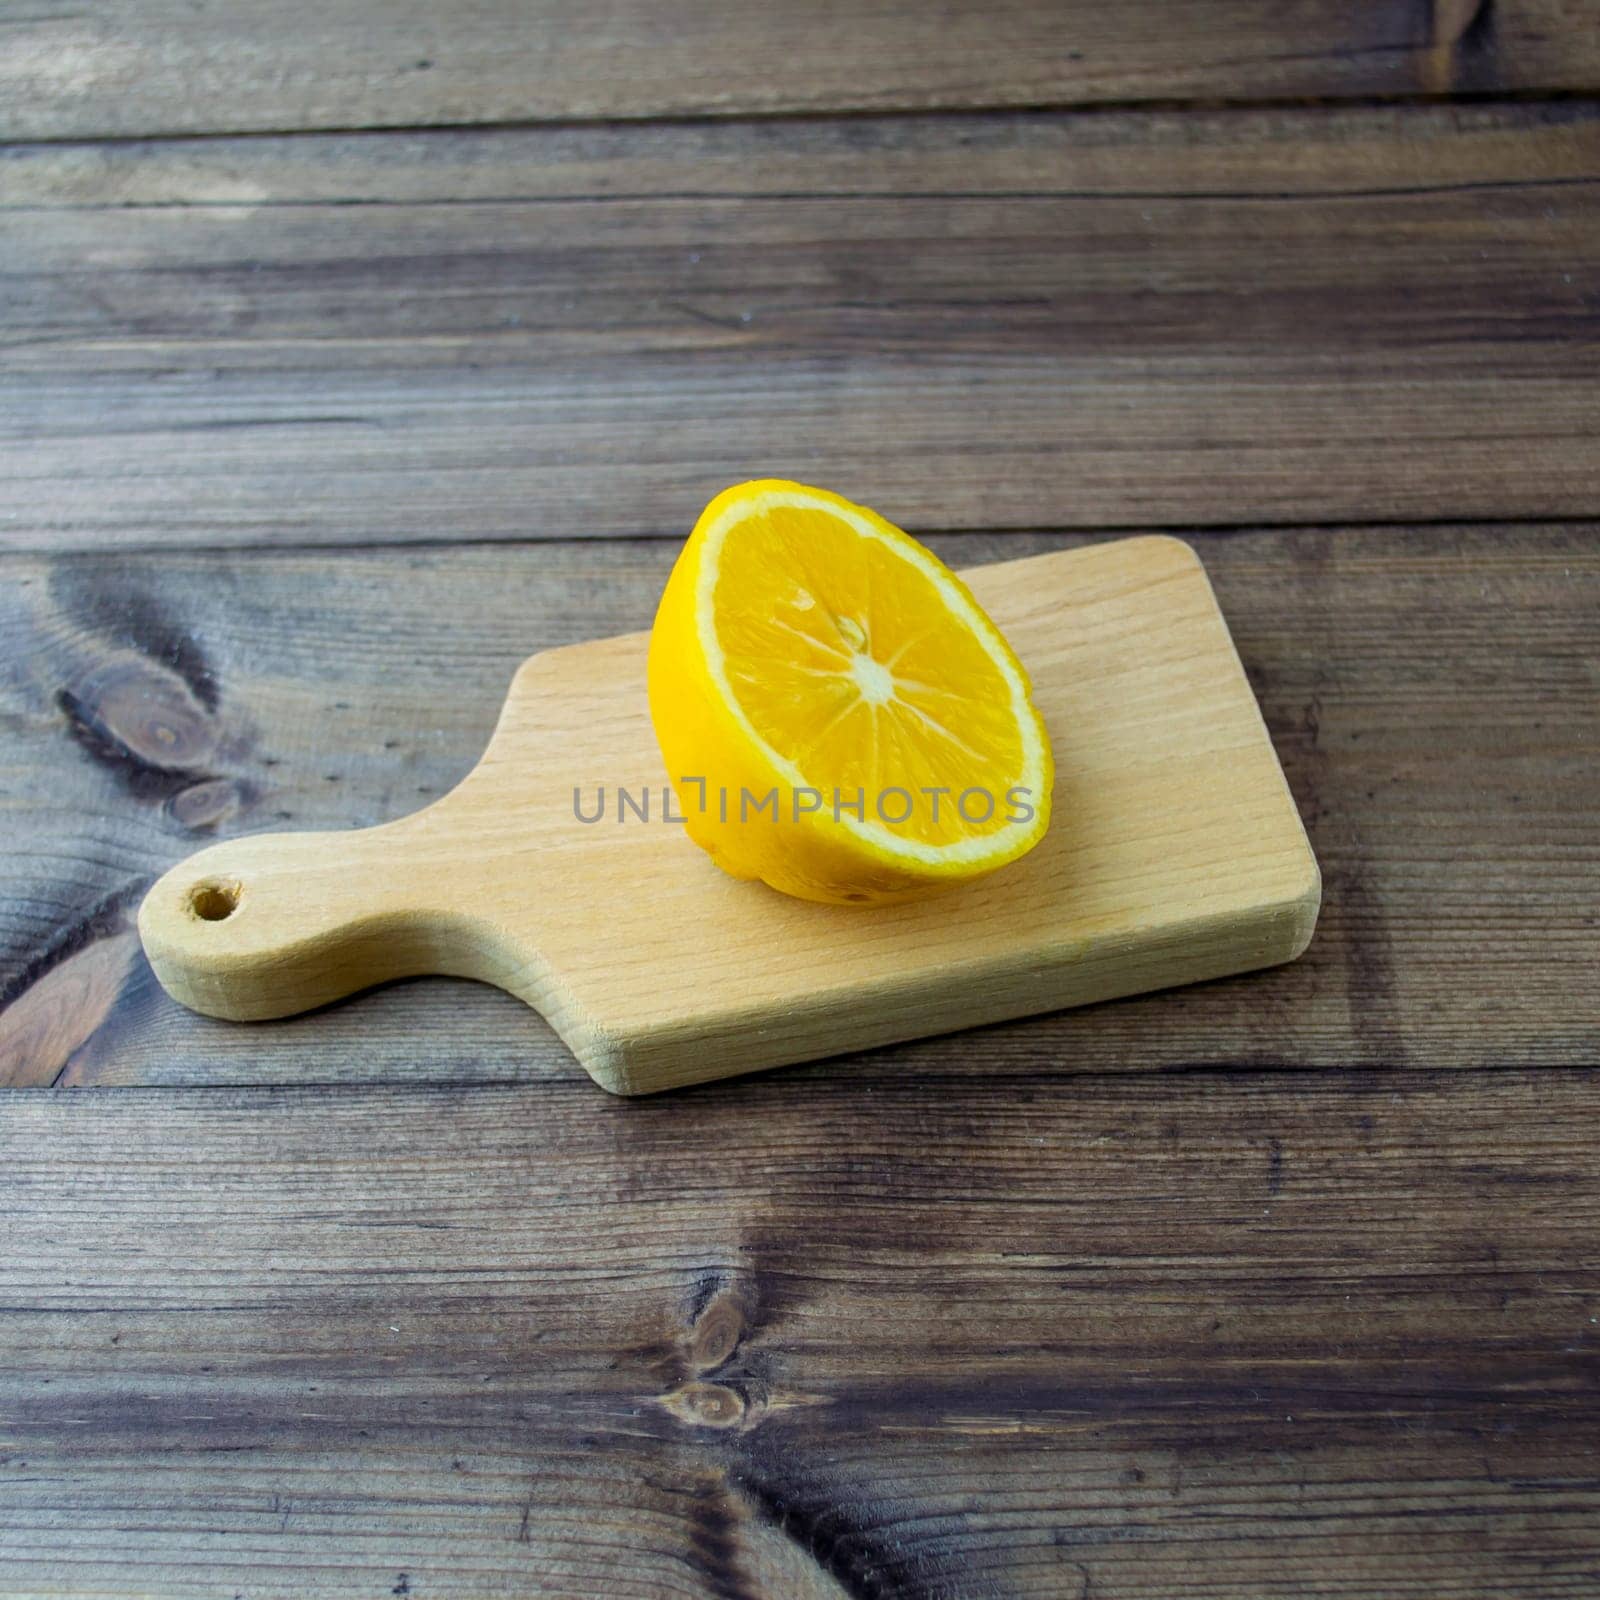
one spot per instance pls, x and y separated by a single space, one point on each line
705 1405
716 1334
205 804
150 714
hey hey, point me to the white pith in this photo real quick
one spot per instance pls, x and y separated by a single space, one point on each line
873 679
982 847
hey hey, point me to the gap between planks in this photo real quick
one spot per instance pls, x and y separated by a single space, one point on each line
528 541
1193 106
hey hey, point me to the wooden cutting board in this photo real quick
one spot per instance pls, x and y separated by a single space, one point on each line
1176 854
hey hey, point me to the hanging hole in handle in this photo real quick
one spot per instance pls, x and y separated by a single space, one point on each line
213 902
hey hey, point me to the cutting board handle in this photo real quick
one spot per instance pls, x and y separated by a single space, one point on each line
279 923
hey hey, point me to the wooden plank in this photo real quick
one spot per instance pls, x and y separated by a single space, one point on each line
135 67
1430 692
1083 321
1239 1335
1110 155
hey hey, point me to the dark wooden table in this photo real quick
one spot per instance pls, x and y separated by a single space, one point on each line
352 353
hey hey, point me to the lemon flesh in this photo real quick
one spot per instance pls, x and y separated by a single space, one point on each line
838 716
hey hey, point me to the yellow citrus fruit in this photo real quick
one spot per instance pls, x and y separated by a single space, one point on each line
838 715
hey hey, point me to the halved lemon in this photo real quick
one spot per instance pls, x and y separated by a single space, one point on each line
838 715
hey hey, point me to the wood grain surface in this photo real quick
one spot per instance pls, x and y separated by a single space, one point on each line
1086 321
1430 692
1225 1335
309 433
132 67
